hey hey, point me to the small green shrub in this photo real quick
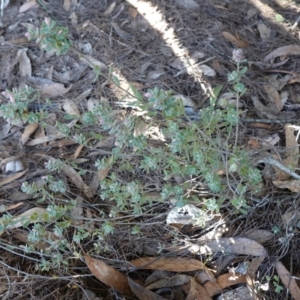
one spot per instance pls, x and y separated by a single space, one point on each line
204 153
16 110
51 37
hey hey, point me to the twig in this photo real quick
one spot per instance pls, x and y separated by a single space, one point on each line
277 164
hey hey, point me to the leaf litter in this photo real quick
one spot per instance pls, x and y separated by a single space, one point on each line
120 36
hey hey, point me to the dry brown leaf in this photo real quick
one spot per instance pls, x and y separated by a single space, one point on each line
71 108
22 236
142 293
76 212
212 288
94 184
271 140
207 70
67 5
259 235
171 264
217 66
267 142
294 79
231 38
292 185
265 111
292 153
77 180
133 12
239 293
254 265
49 88
24 63
285 50
92 62
279 82
273 96
260 125
14 206
101 174
19 196
284 96
264 65
73 176
254 143
229 279
236 245
110 9
185 100
288 281
29 130
27 5
62 143
12 177
40 140
26 216
264 31
290 218
18 41
166 281
77 151
292 146
108 275
121 33
54 90
197 291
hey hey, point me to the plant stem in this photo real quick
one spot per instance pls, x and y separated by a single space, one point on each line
237 111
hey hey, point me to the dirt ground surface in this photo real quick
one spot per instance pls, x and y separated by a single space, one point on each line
180 45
